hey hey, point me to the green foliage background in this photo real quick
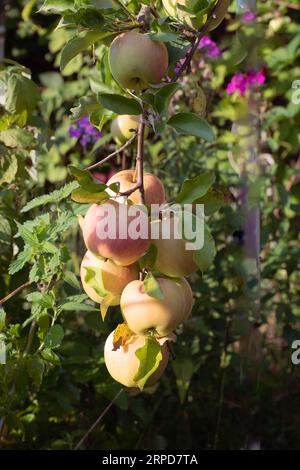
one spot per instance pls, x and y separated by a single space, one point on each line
55 383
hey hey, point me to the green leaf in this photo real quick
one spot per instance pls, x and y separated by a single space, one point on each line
35 368
184 369
29 237
20 261
150 357
149 258
2 318
50 356
191 124
21 94
194 188
71 279
86 180
163 96
164 36
8 168
213 200
18 138
85 197
120 104
54 337
54 197
106 302
78 44
86 105
57 6
205 256
152 287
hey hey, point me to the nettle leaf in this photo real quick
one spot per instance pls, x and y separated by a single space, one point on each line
35 368
54 337
18 138
57 6
152 287
29 237
54 197
120 104
205 256
44 299
19 262
150 357
2 318
163 96
79 44
194 188
191 124
71 279
77 303
148 260
121 335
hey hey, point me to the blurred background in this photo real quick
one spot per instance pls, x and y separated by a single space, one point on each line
233 384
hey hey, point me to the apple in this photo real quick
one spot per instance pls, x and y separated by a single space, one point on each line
145 314
137 62
119 245
154 189
121 127
112 278
176 9
173 258
123 364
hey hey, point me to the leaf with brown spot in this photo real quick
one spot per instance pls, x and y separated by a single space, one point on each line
122 334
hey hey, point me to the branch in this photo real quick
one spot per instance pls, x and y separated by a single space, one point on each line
193 49
113 154
140 157
15 292
98 419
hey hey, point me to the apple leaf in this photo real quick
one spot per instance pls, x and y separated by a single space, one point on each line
82 196
152 287
21 94
56 6
150 357
120 104
35 368
191 124
213 200
79 44
54 337
86 180
205 256
184 369
121 335
195 188
163 96
106 303
149 258
164 36
93 278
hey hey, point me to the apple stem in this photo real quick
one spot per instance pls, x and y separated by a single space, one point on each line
113 154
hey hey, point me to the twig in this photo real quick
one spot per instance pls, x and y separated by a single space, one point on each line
140 157
113 154
125 9
15 292
193 49
98 419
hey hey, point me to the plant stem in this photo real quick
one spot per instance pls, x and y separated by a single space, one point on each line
113 154
15 292
98 419
140 157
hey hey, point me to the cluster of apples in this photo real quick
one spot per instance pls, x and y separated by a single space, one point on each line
113 267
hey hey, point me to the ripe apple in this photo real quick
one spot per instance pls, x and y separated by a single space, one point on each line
145 314
107 236
123 364
136 61
121 127
112 278
154 189
176 9
173 259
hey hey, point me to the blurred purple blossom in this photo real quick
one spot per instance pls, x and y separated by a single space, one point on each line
83 130
249 16
212 50
240 82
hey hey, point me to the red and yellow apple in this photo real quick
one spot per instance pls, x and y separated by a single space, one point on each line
145 314
154 189
137 62
112 278
123 364
108 232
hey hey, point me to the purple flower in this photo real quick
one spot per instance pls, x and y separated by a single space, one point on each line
84 131
212 50
240 82
249 16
